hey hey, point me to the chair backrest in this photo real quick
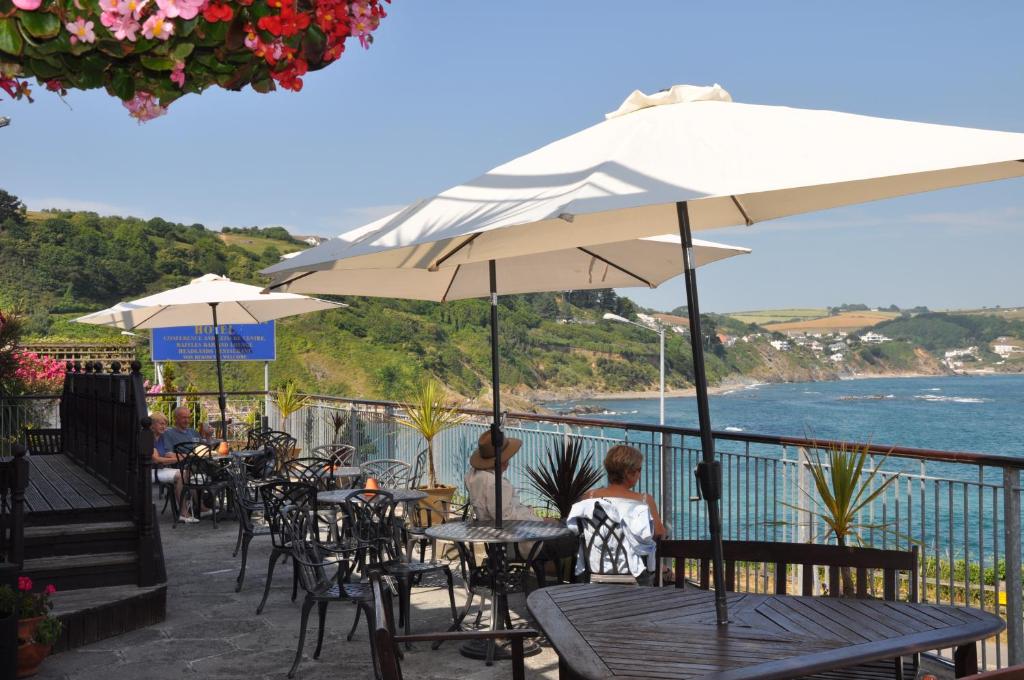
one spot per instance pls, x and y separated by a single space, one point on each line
420 468
310 471
276 495
199 471
283 446
193 448
256 437
389 472
44 442
313 565
604 544
385 650
339 454
778 557
370 522
245 497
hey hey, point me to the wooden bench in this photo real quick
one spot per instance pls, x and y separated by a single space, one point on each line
46 442
809 556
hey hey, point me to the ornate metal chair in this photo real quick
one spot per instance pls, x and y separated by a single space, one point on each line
276 495
390 473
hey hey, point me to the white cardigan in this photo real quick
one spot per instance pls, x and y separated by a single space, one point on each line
637 525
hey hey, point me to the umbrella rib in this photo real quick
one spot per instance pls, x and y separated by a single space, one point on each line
437 263
251 316
612 264
134 326
739 206
444 298
288 281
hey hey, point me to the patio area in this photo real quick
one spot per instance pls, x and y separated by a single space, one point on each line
213 632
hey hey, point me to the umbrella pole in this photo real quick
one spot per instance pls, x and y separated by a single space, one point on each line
709 475
221 400
496 436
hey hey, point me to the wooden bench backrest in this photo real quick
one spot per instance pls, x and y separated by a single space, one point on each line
44 442
807 555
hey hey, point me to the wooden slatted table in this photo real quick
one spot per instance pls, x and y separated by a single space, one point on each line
611 631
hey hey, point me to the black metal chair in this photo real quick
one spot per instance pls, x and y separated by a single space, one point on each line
256 438
247 503
422 518
390 473
276 495
338 454
372 525
419 469
603 544
203 478
315 472
324 573
282 445
387 656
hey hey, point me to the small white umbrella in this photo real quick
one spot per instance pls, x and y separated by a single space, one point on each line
642 262
212 298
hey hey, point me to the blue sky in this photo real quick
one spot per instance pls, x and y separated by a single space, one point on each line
454 87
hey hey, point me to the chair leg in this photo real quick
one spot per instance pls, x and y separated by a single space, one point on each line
320 633
405 588
238 542
307 605
245 558
274 554
355 623
451 593
295 582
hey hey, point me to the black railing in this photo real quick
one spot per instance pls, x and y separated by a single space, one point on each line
105 428
13 481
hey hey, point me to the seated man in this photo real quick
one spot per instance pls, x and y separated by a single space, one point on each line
181 432
161 456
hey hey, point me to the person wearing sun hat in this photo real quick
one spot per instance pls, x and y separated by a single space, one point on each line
480 481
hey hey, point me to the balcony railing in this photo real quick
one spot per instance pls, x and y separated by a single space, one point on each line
962 510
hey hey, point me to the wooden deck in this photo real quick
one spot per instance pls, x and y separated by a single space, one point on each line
58 484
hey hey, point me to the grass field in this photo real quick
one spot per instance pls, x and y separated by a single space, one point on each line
257 244
766 316
1009 313
845 321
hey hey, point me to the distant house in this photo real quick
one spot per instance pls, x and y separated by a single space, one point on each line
1004 347
963 352
836 357
817 346
726 340
873 338
837 347
780 345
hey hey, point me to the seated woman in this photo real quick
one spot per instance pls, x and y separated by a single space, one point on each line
161 456
636 516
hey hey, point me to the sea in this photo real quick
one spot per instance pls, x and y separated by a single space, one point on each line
975 413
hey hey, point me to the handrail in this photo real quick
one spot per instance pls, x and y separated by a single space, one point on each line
13 482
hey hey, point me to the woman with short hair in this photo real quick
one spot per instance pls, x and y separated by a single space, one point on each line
161 456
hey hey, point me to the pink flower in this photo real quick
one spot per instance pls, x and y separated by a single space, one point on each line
178 78
186 9
50 589
28 5
157 27
144 106
125 27
361 9
132 7
24 583
81 30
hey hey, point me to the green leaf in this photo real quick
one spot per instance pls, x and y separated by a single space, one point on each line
123 84
59 44
39 24
43 69
10 37
182 50
157 63
185 28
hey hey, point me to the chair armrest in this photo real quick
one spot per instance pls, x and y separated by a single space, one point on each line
468 635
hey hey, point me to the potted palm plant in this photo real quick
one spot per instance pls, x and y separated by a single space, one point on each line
430 414
565 477
843 487
289 400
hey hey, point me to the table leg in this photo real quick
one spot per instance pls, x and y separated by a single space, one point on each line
965 660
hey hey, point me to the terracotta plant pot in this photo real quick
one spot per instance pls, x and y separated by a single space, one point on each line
438 499
27 628
30 655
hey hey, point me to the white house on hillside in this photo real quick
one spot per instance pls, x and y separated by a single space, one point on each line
873 338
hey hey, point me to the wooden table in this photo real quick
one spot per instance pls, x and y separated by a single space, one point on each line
611 631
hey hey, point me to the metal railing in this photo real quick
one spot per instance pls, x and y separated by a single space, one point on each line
962 510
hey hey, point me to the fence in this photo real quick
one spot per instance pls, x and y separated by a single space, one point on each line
962 510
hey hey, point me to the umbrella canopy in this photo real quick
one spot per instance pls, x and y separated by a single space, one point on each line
641 262
689 159
211 298
731 163
190 304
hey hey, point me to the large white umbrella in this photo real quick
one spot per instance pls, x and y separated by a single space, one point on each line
686 159
210 298
641 262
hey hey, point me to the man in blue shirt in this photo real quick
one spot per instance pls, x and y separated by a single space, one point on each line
181 432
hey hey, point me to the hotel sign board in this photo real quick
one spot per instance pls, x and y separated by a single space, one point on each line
238 342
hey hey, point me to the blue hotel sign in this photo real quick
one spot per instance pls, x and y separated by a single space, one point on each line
238 342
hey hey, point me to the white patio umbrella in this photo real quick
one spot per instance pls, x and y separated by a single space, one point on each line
684 160
640 262
208 299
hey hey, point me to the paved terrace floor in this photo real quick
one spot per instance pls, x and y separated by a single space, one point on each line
213 632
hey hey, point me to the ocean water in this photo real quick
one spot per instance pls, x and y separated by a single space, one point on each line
982 414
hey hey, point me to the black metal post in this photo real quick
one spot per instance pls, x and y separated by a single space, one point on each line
221 399
708 470
497 439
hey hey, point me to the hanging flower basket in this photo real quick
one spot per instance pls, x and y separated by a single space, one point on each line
150 52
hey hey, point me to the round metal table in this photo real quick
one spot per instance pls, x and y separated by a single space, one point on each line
339 496
495 542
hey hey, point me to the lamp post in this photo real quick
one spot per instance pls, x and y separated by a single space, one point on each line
661 337
157 373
